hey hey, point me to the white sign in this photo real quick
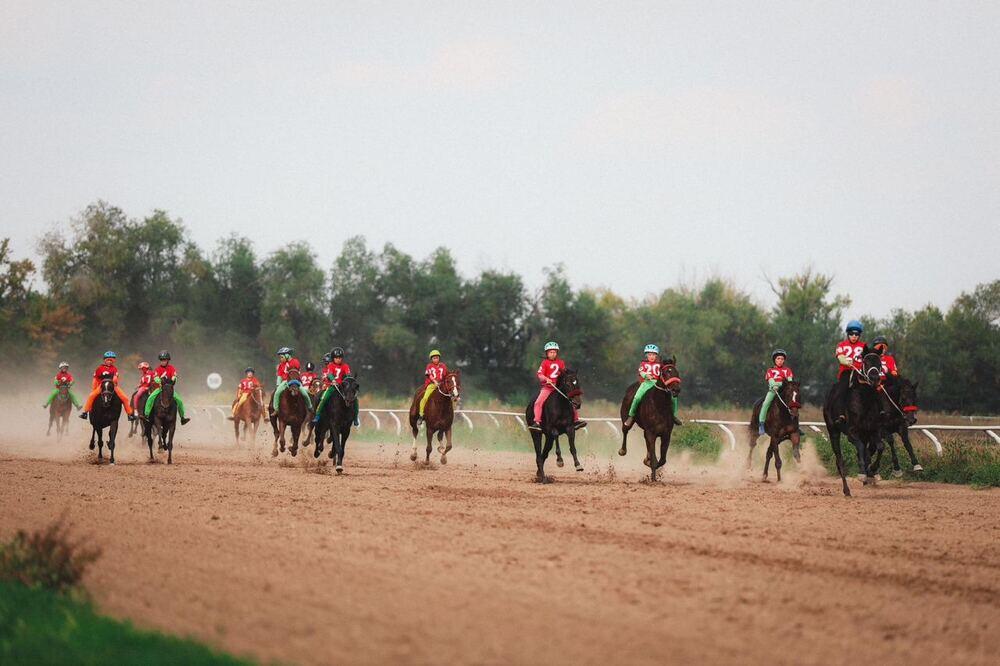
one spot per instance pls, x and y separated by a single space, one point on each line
214 381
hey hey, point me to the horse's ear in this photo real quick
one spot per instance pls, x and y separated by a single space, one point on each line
673 360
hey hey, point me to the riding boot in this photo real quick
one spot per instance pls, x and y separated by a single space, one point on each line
83 415
535 426
678 422
131 417
579 424
760 429
185 420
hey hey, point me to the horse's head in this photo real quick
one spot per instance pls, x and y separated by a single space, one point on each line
790 391
107 388
908 400
871 366
315 386
569 384
166 390
452 385
349 389
669 377
294 375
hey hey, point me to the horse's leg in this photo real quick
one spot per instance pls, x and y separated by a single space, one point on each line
897 471
337 451
49 431
650 436
274 449
100 444
430 437
559 459
767 457
416 431
571 436
776 443
112 434
549 440
170 443
839 456
796 444
236 430
536 440
318 434
753 445
296 431
904 434
862 452
664 446
624 449
93 436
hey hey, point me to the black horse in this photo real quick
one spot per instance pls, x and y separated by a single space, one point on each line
898 396
557 419
862 409
104 413
336 419
655 415
163 420
781 423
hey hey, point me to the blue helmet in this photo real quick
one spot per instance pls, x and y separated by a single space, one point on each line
651 349
110 354
855 326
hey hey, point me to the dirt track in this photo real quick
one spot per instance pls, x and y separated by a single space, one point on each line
471 562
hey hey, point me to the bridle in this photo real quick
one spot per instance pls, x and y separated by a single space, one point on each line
667 383
454 394
864 377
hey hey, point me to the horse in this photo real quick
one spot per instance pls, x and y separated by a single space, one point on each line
863 424
104 413
655 415
249 414
316 392
163 418
292 413
336 420
557 419
139 407
781 422
59 411
898 396
439 414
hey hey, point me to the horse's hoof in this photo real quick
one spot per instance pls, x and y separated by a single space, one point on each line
621 452
274 453
543 479
559 463
645 461
413 457
918 468
897 473
340 469
92 447
579 468
441 449
877 477
796 455
444 459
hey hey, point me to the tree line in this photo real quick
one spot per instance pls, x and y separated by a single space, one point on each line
138 285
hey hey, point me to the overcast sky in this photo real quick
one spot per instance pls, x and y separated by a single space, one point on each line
641 144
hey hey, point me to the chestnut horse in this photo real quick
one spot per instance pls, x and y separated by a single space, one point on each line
292 413
655 415
781 422
249 414
439 415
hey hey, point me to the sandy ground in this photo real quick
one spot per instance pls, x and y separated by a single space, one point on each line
473 563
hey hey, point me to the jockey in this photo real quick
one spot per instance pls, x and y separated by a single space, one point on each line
246 388
146 378
165 371
289 362
848 355
775 377
433 375
309 376
881 345
549 371
63 378
109 369
333 375
649 373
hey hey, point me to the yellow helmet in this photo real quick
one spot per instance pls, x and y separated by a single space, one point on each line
434 352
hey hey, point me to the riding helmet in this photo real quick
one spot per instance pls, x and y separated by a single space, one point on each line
326 357
143 366
778 352
63 364
434 352
551 345
250 370
855 326
164 355
337 352
650 349
110 354
310 367
879 340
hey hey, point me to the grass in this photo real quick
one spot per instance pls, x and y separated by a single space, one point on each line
47 558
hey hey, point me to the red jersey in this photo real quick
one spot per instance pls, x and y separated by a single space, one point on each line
146 379
649 370
63 378
168 371
888 365
249 385
435 372
779 374
106 370
337 371
852 350
307 378
285 366
551 370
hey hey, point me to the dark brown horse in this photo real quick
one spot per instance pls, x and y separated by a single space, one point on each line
59 412
898 396
780 423
162 421
316 391
557 419
105 413
292 413
439 415
336 419
863 424
655 415
249 414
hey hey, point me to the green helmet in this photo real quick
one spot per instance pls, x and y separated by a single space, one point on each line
551 345
650 349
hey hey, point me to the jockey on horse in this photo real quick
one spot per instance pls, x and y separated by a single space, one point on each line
246 388
548 373
333 376
288 362
433 374
165 371
649 373
63 378
106 369
776 376
146 378
848 353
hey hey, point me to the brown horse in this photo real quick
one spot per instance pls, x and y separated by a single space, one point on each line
655 415
781 422
439 415
292 413
249 414
59 410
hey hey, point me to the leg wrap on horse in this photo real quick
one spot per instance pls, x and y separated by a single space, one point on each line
423 400
640 393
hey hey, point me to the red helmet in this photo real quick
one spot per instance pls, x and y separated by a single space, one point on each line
144 366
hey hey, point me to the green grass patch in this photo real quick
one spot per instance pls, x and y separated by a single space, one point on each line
39 626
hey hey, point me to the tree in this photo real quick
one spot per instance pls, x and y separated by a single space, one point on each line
293 308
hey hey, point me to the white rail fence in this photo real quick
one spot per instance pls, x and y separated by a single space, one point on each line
223 411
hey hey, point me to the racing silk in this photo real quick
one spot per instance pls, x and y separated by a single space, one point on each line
549 371
64 378
888 366
851 350
307 378
285 366
779 374
337 371
146 379
106 370
434 372
649 370
249 385
168 371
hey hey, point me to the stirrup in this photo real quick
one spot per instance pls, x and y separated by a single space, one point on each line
83 415
535 426
185 421
579 424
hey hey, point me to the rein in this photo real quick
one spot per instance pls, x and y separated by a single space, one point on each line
893 402
454 387
667 383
